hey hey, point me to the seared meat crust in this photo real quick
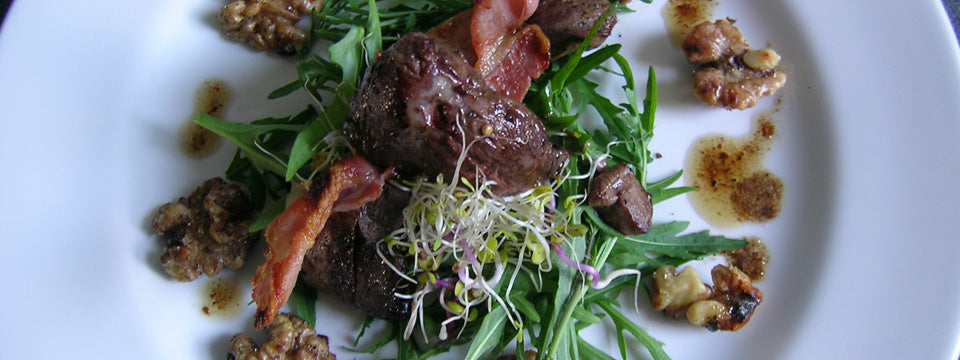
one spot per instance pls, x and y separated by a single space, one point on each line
344 261
620 200
568 22
329 265
419 106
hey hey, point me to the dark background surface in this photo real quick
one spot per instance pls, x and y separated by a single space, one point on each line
953 10
952 7
5 4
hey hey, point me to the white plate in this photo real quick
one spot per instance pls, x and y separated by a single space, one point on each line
864 253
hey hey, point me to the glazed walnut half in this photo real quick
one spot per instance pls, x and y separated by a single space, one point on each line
731 75
727 306
267 24
206 231
288 337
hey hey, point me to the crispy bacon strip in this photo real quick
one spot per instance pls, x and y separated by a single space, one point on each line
508 53
526 57
352 183
501 47
493 19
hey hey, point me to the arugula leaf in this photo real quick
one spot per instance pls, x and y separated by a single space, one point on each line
563 303
588 351
245 136
585 317
489 334
367 321
268 214
664 245
592 62
623 323
346 54
659 190
524 306
304 298
258 162
374 40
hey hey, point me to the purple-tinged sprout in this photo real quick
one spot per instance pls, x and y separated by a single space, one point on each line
462 274
468 253
447 283
452 234
595 275
595 282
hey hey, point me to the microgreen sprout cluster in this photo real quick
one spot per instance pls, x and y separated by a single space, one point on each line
462 237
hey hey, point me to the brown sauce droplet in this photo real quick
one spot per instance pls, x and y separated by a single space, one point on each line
733 185
212 98
751 259
757 198
680 16
220 298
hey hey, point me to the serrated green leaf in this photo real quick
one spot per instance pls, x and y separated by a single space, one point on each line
588 351
304 298
663 243
268 214
585 316
524 306
244 136
373 43
623 323
669 193
489 333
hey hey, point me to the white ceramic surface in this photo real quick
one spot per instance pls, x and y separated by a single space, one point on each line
864 253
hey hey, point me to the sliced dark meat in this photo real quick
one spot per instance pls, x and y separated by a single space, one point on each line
344 261
382 216
347 185
620 200
568 22
329 265
377 283
420 105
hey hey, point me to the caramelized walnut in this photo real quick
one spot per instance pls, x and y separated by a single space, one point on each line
731 75
288 337
733 289
727 306
674 292
206 231
267 24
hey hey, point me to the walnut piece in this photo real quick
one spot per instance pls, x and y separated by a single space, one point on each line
206 231
727 306
267 24
704 311
733 289
288 337
674 292
731 75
